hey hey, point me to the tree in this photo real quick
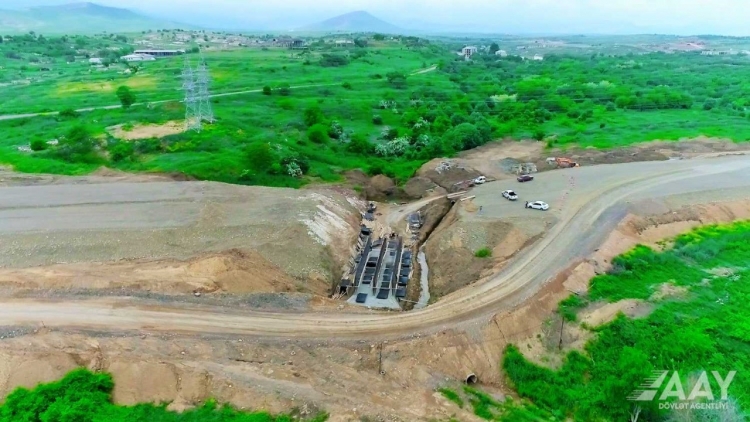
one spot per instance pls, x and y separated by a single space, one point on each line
494 48
266 90
462 137
126 96
260 157
378 37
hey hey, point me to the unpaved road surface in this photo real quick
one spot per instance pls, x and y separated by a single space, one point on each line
593 200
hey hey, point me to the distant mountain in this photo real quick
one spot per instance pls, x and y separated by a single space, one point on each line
354 22
76 18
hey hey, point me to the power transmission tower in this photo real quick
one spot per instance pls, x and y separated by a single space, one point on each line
203 80
193 119
197 95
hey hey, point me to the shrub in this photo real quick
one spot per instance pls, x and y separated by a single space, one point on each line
285 90
121 151
318 133
69 112
333 60
346 85
260 157
313 116
38 145
377 119
396 80
483 253
360 145
267 90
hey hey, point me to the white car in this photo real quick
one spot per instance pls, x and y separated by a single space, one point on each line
480 180
537 205
510 195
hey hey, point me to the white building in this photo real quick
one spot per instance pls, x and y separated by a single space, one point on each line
95 60
538 57
501 53
138 58
468 51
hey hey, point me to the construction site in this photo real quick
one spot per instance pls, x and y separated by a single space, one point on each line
318 298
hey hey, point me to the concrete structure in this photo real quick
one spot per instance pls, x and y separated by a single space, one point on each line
95 60
501 53
382 272
160 53
138 57
538 57
468 51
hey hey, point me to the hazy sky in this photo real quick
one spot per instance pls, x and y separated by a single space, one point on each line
730 17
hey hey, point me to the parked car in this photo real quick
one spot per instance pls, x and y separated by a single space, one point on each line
537 205
525 178
480 180
510 195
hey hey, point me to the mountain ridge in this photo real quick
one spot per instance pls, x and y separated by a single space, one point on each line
78 17
357 21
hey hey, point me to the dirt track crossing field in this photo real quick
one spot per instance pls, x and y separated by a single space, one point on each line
591 210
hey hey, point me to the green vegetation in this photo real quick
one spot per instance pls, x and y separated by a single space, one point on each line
377 105
83 396
126 96
483 253
487 408
452 396
705 329
568 307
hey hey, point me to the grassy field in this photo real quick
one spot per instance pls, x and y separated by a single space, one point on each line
704 328
83 396
379 106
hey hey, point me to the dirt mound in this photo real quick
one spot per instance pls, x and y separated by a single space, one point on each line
447 173
380 188
418 187
131 133
234 271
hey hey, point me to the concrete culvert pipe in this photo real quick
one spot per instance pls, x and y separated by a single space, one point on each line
471 379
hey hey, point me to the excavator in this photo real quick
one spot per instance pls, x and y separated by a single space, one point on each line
562 162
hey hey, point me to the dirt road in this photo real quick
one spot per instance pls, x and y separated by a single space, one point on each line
602 195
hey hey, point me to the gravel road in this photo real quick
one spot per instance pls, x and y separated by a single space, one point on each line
590 201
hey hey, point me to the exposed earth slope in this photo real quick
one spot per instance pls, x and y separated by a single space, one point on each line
586 203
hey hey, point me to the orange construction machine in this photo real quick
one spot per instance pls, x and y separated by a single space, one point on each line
563 162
